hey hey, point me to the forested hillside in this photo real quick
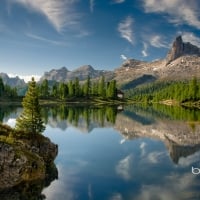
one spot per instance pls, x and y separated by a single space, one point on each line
181 91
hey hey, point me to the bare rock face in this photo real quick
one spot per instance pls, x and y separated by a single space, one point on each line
82 73
179 48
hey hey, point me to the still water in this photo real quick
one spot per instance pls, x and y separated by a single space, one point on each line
129 153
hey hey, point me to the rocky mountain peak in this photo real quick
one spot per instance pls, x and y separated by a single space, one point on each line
179 48
88 68
12 81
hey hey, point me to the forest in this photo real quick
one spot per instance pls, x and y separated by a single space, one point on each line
181 91
75 89
69 90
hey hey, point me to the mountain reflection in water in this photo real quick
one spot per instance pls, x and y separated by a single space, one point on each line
138 152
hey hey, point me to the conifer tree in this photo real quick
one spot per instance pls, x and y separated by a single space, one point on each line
2 87
30 120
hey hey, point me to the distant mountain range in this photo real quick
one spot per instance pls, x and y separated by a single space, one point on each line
12 81
64 75
182 62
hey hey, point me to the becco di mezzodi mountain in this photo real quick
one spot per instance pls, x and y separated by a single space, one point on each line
182 62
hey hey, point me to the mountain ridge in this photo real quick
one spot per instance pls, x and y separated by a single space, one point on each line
182 62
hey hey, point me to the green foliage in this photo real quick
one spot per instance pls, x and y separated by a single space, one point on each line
44 89
101 87
30 120
6 90
77 89
111 91
1 87
76 115
87 87
181 91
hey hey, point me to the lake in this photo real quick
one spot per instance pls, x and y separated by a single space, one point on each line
135 152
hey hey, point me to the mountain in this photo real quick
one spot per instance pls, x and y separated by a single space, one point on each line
178 136
64 75
12 81
56 75
179 48
181 63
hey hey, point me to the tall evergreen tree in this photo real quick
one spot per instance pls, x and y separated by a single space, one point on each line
44 88
101 89
2 88
77 87
30 120
87 87
71 88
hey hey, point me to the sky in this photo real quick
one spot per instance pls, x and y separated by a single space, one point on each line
40 35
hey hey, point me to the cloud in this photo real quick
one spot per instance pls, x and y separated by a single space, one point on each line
91 6
189 160
118 1
123 168
144 51
178 11
173 187
123 57
142 147
190 37
158 42
125 29
116 196
26 78
60 13
43 39
155 157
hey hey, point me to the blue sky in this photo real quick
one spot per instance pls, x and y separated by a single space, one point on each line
39 35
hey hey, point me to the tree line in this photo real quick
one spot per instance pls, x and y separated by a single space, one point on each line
6 90
181 91
88 89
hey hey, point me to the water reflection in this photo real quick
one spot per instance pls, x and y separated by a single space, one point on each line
140 152
30 190
84 118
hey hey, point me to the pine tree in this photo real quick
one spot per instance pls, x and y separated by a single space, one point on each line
30 120
2 87
101 89
87 87
44 89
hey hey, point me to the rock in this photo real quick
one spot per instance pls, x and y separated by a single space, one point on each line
25 159
82 73
12 81
179 48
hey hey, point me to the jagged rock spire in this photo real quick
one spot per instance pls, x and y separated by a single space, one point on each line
179 48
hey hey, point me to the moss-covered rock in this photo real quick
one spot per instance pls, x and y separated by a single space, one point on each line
24 157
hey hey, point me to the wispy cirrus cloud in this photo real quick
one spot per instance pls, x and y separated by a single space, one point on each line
60 13
125 29
190 37
158 42
43 39
178 11
118 1
144 51
92 6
